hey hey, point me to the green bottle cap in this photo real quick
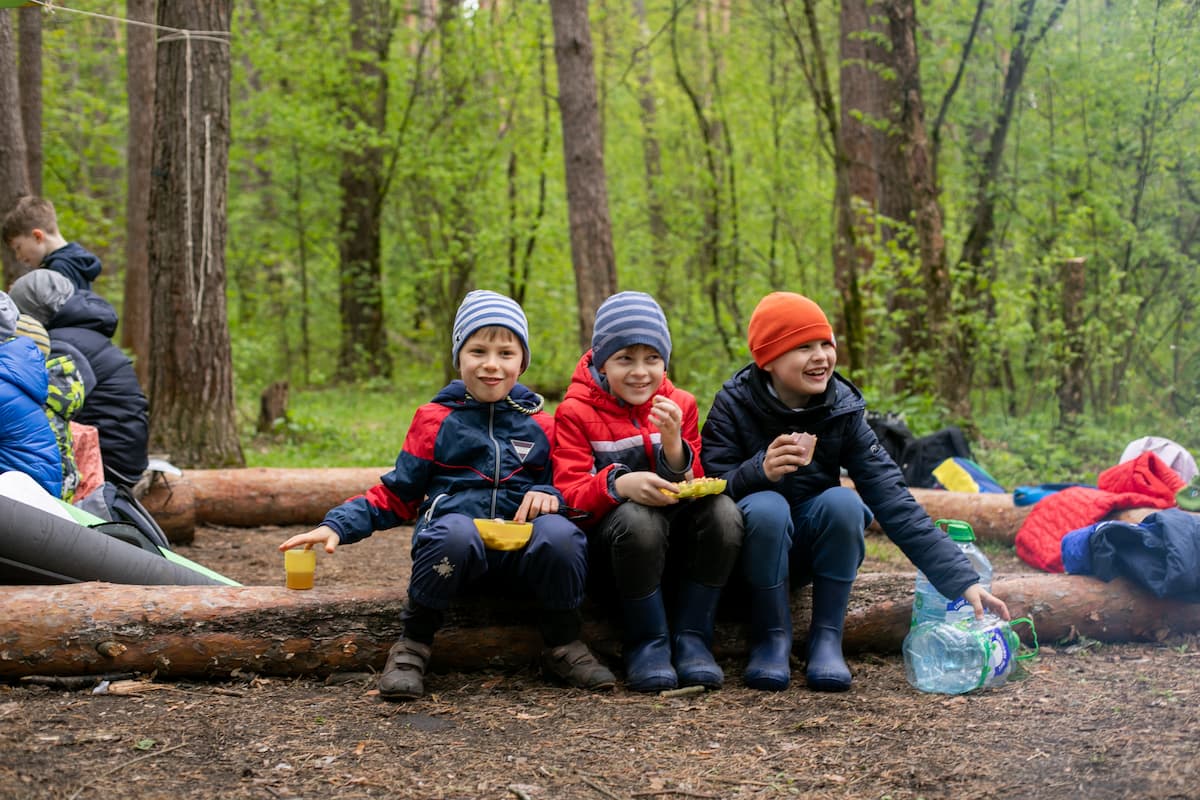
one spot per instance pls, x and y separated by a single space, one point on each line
959 531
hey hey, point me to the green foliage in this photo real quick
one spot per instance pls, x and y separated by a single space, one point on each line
1100 163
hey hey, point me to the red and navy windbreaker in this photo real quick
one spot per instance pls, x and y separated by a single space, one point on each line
460 456
596 435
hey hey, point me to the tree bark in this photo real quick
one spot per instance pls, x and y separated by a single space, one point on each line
583 156
1070 382
193 417
139 155
14 172
364 351
183 631
30 79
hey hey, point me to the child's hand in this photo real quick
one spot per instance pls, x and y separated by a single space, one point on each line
666 416
535 504
788 453
981 598
322 534
646 488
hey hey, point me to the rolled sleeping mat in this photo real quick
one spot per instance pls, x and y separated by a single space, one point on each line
38 548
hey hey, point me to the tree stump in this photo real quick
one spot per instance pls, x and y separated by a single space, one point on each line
272 406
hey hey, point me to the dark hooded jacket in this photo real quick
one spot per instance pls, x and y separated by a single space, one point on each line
460 456
746 417
76 263
114 403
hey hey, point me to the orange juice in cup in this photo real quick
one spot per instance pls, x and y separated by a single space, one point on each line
300 565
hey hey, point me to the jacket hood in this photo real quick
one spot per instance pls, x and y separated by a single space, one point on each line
751 385
86 309
72 258
589 386
23 366
522 397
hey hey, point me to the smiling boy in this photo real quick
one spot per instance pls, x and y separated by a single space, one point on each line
780 432
625 437
479 450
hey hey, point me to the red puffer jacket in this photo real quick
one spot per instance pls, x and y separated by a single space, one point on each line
597 434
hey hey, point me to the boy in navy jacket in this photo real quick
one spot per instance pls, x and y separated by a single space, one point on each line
780 431
479 450
31 230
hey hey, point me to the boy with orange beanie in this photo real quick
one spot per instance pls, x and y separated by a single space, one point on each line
780 431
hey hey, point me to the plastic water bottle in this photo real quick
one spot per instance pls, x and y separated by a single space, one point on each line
958 657
928 604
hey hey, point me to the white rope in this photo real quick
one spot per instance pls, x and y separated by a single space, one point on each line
196 273
212 36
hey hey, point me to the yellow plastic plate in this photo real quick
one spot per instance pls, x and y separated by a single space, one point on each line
501 534
698 487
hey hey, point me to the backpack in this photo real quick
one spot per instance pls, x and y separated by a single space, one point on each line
126 518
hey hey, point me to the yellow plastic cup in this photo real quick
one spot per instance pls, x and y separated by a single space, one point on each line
300 565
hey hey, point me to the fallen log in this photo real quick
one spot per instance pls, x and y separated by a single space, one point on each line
261 496
182 631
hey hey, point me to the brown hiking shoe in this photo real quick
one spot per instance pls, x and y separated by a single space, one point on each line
574 665
403 676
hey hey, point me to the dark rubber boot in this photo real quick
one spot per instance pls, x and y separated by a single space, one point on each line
827 670
647 646
691 636
770 668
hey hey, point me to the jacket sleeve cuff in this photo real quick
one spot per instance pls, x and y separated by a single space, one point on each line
611 485
664 469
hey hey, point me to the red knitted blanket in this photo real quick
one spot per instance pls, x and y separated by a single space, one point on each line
1144 482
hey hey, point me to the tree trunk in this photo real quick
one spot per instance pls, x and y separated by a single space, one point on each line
183 631
193 417
856 191
364 351
139 150
976 250
583 156
262 496
14 172
1070 384
30 81
664 287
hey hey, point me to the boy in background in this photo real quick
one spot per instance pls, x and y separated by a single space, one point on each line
31 230
480 449
625 437
780 431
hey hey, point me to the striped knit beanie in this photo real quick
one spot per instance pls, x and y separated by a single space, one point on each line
783 321
626 319
482 308
29 327
8 316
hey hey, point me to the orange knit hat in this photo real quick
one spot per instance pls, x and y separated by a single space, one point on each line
785 320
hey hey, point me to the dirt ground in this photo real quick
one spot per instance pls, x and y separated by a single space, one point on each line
1090 720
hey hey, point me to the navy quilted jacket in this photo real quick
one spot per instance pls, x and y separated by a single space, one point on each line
460 456
746 417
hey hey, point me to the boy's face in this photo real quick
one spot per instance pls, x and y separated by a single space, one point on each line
634 373
29 248
490 363
802 372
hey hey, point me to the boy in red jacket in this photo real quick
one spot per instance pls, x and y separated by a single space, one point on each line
625 437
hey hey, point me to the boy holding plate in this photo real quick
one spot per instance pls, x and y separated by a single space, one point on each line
479 450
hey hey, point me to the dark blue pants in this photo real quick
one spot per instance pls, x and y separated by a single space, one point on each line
449 559
819 537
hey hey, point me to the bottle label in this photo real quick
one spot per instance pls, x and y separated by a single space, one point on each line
1000 655
959 610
